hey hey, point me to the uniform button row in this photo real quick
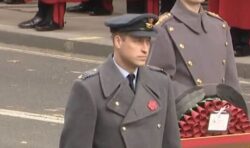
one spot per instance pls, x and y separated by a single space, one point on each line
171 29
124 128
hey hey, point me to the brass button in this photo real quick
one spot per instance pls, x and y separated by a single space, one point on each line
171 28
189 63
226 43
117 103
199 81
124 128
158 125
224 25
223 80
181 46
223 61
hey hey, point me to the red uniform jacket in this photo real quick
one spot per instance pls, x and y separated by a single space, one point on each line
235 12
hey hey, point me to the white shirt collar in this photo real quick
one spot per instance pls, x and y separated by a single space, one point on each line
124 72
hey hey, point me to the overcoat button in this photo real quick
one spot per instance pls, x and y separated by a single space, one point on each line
223 80
223 61
189 63
117 103
181 46
224 25
199 82
124 128
226 43
171 29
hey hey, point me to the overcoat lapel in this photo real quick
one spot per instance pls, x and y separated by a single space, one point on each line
191 20
147 90
115 88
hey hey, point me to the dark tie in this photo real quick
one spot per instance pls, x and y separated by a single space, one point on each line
131 78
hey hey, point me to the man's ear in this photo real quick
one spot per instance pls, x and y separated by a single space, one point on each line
118 41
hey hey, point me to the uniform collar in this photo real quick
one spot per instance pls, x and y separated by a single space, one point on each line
111 78
192 20
126 73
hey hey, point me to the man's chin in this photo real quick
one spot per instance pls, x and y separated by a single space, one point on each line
139 64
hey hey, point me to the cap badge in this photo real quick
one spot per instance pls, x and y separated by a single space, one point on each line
149 24
152 105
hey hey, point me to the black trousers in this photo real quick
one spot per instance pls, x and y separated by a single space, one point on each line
45 11
240 37
166 5
140 6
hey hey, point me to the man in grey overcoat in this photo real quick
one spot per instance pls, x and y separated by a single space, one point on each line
122 104
194 46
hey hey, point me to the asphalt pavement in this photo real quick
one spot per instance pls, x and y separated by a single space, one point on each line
34 91
35 85
82 33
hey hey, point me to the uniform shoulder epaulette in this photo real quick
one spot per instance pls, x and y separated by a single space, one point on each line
163 18
88 74
214 15
158 69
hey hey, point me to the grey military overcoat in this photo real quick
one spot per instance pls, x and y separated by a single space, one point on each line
195 49
103 112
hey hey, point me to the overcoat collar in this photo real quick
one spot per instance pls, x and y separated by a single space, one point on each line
114 88
111 78
196 22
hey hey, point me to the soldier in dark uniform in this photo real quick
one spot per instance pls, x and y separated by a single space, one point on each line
93 7
50 16
123 104
166 5
159 6
105 7
194 46
13 1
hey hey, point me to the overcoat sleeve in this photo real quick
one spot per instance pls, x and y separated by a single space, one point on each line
231 75
162 52
80 119
171 137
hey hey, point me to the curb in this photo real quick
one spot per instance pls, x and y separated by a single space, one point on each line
243 70
86 48
57 44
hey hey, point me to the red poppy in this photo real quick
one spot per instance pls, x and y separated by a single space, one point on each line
152 105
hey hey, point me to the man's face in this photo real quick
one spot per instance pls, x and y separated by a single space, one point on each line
131 52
